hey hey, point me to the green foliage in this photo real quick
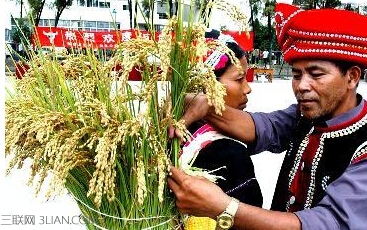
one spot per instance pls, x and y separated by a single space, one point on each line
263 38
148 6
201 6
264 34
313 4
36 8
269 7
23 32
364 9
60 6
63 3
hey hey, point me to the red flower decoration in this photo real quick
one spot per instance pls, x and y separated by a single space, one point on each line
222 62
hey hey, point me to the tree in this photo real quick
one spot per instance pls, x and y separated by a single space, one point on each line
148 10
363 10
22 33
36 8
330 4
129 5
261 39
135 14
202 5
254 10
356 8
172 10
60 6
269 13
317 4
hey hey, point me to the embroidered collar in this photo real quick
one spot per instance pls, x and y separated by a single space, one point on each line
345 117
201 138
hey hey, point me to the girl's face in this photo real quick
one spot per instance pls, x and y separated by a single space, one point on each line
236 84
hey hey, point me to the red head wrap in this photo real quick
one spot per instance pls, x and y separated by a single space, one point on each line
321 34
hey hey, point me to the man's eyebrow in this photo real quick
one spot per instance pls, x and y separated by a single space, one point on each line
315 67
295 69
309 68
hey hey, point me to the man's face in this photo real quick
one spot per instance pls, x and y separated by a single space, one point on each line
320 88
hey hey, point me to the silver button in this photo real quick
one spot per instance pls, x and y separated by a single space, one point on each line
292 200
303 166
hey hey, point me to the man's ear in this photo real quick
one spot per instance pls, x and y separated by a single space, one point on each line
354 75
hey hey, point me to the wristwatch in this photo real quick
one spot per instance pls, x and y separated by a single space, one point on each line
226 219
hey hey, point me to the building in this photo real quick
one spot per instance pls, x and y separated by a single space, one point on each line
89 16
101 16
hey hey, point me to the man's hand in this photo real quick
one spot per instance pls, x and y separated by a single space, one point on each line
196 108
197 196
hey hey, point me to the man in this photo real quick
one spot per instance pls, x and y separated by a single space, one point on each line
255 56
265 57
322 183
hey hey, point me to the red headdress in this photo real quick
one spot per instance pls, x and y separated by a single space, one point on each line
321 34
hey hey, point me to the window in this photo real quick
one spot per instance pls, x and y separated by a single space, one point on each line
103 25
162 5
74 23
41 22
114 26
162 16
159 27
104 4
79 25
7 35
64 23
125 7
80 2
92 3
49 22
90 24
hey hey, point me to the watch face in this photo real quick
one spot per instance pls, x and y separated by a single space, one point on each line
225 221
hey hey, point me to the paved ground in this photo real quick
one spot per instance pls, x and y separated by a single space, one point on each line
18 199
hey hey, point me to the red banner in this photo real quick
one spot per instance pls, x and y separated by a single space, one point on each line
245 40
61 37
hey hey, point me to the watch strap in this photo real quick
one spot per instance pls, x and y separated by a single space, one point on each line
232 207
228 213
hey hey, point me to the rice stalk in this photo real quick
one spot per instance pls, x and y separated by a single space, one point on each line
103 138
